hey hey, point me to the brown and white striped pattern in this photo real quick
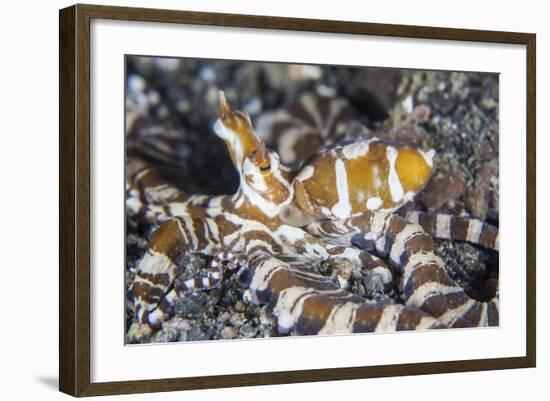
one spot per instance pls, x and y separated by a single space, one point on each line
306 125
215 275
425 283
155 316
305 303
251 222
457 228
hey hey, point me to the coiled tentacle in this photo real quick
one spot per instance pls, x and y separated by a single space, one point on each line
150 196
306 303
156 271
458 228
425 283
164 309
307 124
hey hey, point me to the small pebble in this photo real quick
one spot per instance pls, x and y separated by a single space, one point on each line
240 306
442 189
326 91
208 74
406 133
301 72
228 332
237 319
168 64
421 113
196 334
408 104
247 331
478 199
137 332
136 83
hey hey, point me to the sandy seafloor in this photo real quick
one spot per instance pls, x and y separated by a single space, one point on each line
171 105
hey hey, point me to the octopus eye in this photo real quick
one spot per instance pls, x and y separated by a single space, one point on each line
266 167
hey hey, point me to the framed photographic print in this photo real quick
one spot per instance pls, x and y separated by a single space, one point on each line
296 200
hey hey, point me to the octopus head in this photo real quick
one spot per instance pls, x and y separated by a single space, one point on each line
262 181
235 128
261 174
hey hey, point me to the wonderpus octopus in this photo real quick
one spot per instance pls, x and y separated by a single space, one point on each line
340 205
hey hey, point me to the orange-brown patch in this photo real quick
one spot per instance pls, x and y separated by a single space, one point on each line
279 191
240 124
281 280
168 240
318 308
368 178
321 187
250 211
412 169
302 197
